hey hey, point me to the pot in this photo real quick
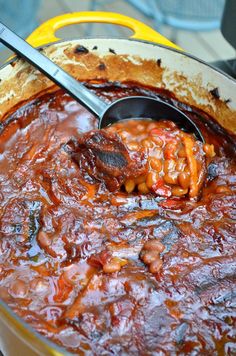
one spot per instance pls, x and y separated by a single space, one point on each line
147 58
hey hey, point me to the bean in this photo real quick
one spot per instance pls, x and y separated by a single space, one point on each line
154 245
186 170
140 127
111 266
157 153
71 273
133 146
147 143
170 150
171 177
178 191
223 189
151 126
169 165
140 179
19 289
124 135
149 256
157 140
43 239
155 266
184 180
121 261
156 164
142 188
170 124
161 127
39 285
181 164
129 185
209 150
182 153
119 125
111 129
152 178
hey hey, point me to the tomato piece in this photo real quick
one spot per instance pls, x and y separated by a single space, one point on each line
159 183
164 191
99 259
164 135
160 188
161 133
171 204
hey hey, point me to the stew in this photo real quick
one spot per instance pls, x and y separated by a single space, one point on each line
153 156
143 266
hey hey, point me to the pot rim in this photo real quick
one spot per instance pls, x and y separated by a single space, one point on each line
51 347
186 54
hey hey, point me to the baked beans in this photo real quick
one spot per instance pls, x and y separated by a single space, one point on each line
176 160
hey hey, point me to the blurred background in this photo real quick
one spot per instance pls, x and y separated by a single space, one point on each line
192 24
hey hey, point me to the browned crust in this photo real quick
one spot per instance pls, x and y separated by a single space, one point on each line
87 66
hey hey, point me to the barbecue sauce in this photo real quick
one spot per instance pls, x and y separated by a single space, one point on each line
72 253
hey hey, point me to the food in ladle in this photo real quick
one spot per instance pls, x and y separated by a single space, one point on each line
146 156
104 156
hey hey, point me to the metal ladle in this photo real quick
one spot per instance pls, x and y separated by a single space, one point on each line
125 108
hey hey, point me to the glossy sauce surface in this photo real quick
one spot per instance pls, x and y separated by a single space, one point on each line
58 230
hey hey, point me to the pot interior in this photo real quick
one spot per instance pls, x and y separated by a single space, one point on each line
188 79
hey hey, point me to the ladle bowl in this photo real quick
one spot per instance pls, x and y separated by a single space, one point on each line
134 107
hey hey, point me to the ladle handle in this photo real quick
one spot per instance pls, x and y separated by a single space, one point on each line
52 71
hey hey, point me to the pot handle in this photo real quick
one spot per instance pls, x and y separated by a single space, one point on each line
45 33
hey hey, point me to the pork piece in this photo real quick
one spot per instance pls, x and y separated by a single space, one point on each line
103 156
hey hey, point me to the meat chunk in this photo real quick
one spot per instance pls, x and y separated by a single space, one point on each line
103 156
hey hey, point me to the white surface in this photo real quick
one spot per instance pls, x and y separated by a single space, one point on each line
210 46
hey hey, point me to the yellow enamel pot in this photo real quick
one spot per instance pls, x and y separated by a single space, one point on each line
147 58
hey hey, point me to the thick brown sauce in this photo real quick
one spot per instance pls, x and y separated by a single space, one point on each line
53 224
